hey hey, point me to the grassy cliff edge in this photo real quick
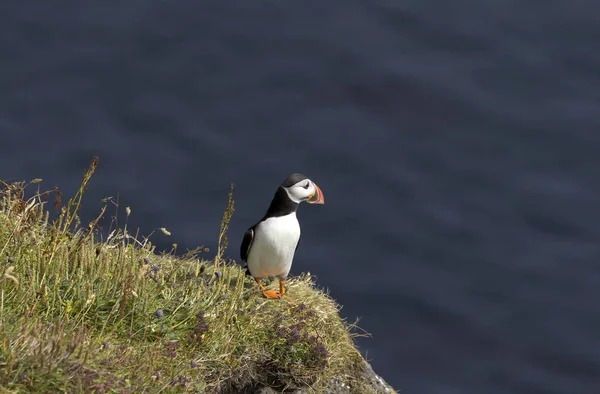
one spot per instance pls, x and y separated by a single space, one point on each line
79 313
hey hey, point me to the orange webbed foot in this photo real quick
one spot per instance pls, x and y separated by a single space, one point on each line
282 291
271 294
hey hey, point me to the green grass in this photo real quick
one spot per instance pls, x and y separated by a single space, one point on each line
79 313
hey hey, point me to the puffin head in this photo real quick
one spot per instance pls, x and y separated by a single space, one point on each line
299 188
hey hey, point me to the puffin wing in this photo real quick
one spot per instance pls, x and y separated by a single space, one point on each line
247 243
245 247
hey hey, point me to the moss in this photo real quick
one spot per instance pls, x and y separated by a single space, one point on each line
79 313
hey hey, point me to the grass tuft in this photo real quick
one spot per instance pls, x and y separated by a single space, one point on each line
82 312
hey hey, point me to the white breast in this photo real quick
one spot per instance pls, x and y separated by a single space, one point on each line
273 247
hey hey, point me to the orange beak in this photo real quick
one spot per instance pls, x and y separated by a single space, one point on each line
318 197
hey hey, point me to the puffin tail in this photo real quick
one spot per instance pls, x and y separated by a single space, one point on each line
247 269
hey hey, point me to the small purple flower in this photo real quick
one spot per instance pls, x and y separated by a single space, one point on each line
194 364
298 326
218 274
170 349
321 350
293 336
181 381
155 268
159 313
280 332
146 260
197 334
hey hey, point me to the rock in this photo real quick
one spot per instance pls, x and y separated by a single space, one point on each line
373 383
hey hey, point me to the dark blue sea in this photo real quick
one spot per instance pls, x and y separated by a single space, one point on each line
457 145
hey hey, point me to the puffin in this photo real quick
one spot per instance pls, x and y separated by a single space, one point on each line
269 246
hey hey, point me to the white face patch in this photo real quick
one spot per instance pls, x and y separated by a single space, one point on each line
301 191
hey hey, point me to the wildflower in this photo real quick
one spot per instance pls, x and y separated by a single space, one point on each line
155 268
218 274
194 364
181 381
293 336
298 326
201 328
146 260
170 349
321 351
159 313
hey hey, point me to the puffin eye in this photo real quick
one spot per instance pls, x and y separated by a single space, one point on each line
307 185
